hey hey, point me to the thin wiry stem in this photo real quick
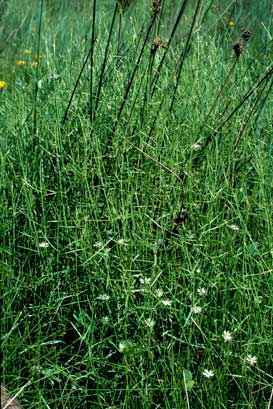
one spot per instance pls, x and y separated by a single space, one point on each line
102 70
248 94
185 51
210 137
92 61
37 70
75 87
252 111
130 82
179 16
219 93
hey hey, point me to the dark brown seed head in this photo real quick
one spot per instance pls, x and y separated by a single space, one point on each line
157 42
238 48
156 8
246 34
242 42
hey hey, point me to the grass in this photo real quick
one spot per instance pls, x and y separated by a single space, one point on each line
136 216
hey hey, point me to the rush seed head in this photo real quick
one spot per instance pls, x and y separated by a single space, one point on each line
241 44
156 8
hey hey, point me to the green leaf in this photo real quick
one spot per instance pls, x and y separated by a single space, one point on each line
189 385
188 381
187 375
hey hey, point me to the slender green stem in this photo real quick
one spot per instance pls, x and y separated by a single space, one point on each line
103 66
92 60
131 79
36 90
185 51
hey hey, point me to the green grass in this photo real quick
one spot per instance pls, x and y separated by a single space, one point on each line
136 212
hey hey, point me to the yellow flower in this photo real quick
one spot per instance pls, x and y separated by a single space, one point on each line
21 63
38 56
231 24
3 84
27 52
34 64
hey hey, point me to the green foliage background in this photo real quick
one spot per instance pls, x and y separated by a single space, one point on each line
136 213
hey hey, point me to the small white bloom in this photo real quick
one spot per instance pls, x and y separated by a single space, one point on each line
121 347
227 336
98 244
196 147
234 227
106 251
167 303
145 280
149 322
105 319
159 292
125 346
202 291
104 297
122 242
251 360
196 309
208 373
43 245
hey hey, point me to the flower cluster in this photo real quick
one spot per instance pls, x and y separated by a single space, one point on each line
22 63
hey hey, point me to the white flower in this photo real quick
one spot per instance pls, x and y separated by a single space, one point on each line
227 336
106 251
251 360
234 227
149 322
167 303
159 292
105 319
201 291
196 309
125 346
208 373
104 297
43 245
145 280
196 147
121 347
122 242
98 244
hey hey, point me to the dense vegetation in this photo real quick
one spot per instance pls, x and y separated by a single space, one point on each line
136 215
